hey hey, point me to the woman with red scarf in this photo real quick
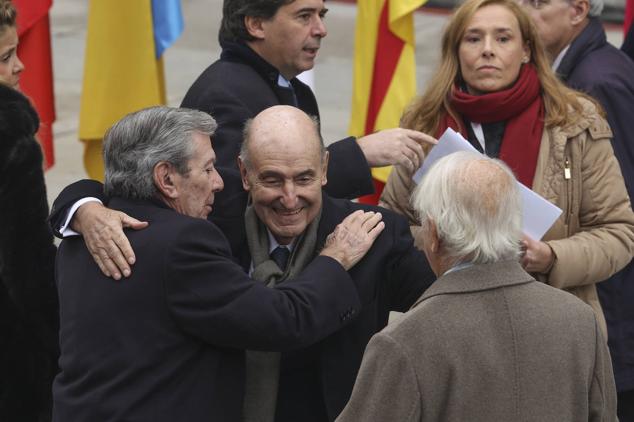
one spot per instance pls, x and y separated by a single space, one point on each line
494 85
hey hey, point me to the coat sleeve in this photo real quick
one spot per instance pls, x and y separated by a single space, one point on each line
68 196
395 197
348 171
386 388
602 394
605 241
212 298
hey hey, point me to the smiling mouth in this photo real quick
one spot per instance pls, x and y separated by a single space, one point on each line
288 213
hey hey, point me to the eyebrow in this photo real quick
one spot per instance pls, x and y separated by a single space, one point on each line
496 30
9 51
271 173
311 10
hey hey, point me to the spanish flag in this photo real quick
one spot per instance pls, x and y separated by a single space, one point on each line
36 82
384 70
123 70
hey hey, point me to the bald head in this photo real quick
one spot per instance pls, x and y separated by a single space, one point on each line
474 204
281 128
283 167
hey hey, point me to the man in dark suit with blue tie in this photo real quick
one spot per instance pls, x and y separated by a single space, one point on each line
283 166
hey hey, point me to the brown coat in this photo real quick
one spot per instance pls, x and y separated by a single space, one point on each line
594 237
487 343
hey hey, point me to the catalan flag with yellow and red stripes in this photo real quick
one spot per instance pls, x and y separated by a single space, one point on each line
384 70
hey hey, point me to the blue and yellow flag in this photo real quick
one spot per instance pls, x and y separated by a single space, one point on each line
123 70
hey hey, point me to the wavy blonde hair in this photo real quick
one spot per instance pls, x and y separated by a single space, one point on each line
425 112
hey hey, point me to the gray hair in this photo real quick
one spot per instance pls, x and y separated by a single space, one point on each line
140 140
246 140
475 204
596 7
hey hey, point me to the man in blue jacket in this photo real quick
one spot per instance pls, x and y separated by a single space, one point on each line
582 57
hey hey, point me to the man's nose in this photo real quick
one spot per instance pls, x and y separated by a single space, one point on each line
289 195
218 183
319 28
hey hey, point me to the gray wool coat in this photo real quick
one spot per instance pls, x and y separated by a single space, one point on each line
487 343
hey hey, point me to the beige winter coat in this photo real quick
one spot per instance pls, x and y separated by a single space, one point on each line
487 343
594 237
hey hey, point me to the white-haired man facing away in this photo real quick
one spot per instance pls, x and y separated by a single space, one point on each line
486 342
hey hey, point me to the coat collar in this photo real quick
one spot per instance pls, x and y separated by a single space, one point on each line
591 38
477 278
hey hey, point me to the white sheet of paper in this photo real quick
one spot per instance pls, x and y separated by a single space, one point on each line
538 215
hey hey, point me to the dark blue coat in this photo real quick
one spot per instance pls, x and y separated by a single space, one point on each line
628 43
594 66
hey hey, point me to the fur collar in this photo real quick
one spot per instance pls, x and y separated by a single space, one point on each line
18 119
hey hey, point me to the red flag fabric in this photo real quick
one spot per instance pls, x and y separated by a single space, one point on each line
36 82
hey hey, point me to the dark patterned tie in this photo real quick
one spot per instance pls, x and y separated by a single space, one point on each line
280 256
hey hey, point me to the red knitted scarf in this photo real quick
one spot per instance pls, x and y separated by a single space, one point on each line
521 106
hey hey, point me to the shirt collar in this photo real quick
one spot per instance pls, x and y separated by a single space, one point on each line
458 267
274 244
282 81
559 58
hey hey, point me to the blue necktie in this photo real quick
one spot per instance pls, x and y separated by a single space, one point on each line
280 255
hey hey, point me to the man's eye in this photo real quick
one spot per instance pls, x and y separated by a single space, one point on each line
271 182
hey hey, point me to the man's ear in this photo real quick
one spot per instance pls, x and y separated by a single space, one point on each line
243 175
434 240
324 175
254 26
580 9
164 175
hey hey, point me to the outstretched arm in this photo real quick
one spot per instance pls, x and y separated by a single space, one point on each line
101 227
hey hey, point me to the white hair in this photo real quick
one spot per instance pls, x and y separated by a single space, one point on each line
475 204
596 7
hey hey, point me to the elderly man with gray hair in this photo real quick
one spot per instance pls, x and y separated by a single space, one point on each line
582 57
486 342
165 345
